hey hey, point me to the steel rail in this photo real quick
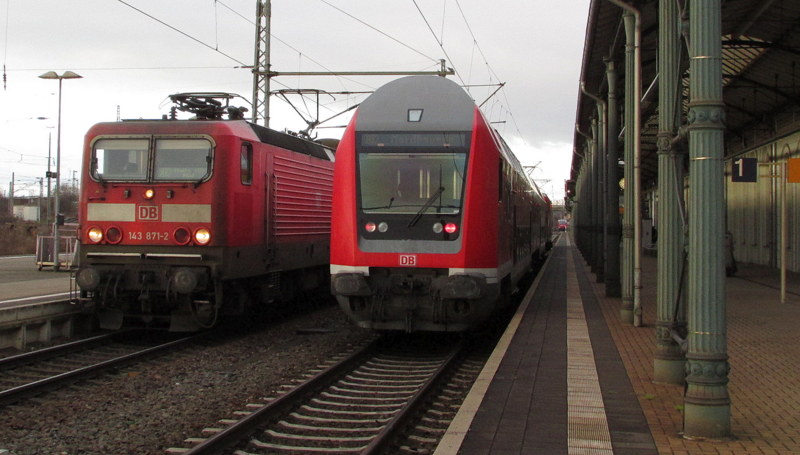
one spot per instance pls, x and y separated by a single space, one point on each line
52 351
18 392
246 426
398 422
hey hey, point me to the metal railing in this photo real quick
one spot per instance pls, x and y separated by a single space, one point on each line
67 251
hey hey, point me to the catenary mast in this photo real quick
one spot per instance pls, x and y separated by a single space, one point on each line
262 71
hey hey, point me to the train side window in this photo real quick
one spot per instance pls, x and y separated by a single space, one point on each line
246 160
501 174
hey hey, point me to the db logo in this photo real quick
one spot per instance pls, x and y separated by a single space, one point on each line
148 212
408 260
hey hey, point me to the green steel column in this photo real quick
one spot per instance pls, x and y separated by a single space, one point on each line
578 211
585 201
707 403
669 357
626 312
575 223
598 197
614 232
597 224
587 198
599 200
601 188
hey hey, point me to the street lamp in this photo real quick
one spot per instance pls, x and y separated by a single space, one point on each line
56 239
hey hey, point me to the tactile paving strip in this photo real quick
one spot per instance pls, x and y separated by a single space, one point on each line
588 427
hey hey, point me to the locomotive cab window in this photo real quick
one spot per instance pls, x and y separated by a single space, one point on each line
120 159
182 159
410 173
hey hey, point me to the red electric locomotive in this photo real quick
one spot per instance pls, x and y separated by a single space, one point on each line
184 221
434 219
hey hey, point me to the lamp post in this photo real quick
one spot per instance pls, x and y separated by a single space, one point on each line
56 239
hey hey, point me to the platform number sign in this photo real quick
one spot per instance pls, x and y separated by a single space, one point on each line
744 170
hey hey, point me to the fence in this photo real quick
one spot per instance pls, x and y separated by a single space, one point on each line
67 250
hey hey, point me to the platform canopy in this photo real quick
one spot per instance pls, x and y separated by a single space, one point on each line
761 71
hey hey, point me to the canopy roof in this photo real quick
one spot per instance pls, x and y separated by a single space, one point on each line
761 72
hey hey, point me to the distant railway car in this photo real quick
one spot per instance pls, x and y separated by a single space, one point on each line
184 221
434 220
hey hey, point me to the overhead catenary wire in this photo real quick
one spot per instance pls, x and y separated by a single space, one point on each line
214 48
181 32
490 69
476 46
378 30
278 39
439 42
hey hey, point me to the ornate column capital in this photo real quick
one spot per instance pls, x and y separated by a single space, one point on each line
706 115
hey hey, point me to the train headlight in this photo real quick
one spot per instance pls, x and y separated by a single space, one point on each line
450 228
113 235
202 236
383 226
438 228
149 193
95 234
370 226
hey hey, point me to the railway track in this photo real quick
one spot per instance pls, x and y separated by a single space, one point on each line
36 372
358 404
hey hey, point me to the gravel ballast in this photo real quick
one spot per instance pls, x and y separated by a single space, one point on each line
150 406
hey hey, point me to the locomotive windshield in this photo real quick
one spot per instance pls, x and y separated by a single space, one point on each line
172 159
412 173
121 159
182 159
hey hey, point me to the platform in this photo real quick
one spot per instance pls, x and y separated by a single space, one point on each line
569 377
21 282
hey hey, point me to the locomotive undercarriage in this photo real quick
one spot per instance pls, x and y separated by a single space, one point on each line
184 299
180 298
184 291
418 300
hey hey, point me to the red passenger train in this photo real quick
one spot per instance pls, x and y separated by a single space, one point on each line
184 221
434 219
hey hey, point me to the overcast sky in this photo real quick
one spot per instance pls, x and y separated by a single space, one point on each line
131 62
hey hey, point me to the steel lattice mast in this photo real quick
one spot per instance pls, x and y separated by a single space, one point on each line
262 70
261 65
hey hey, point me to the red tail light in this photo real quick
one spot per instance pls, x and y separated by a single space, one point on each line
182 236
113 235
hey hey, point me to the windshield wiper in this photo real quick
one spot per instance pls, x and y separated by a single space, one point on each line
426 206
